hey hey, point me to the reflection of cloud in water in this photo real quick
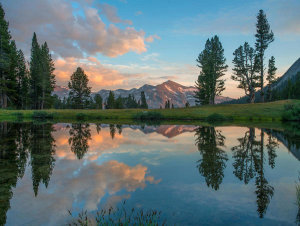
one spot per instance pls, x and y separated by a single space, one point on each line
77 186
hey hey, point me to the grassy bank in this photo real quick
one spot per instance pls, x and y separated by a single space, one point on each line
260 112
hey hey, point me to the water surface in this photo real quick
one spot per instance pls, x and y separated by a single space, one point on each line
193 174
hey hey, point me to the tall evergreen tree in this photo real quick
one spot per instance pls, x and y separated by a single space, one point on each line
246 70
110 104
5 50
271 76
98 101
79 90
264 36
35 73
22 82
212 63
48 78
144 104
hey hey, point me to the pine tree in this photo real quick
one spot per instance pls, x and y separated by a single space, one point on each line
264 36
212 63
118 103
98 101
22 101
35 73
79 90
110 104
246 70
48 78
5 49
271 76
144 104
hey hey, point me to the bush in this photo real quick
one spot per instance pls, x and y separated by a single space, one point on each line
80 116
42 115
19 116
215 118
291 113
148 115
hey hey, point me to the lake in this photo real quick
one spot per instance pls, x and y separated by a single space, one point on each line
192 174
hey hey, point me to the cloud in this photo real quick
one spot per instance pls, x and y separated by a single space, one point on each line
151 38
72 32
138 13
99 75
111 13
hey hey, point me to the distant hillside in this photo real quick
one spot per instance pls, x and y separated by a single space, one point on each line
156 96
290 74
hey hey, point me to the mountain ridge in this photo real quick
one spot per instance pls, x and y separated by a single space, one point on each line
156 95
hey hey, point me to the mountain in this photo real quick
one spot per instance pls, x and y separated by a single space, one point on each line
289 74
156 96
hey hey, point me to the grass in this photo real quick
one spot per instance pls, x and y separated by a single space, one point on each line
259 112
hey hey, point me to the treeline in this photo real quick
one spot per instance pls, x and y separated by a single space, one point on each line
80 96
249 66
24 85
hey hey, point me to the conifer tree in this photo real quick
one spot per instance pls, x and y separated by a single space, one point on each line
5 49
264 36
48 78
212 63
119 103
110 104
271 76
246 70
79 89
98 101
22 101
35 73
144 104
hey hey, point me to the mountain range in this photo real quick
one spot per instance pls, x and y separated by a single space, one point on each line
156 96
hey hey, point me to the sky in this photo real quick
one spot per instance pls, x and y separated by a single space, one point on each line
129 43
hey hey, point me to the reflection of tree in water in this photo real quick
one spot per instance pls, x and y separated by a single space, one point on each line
13 157
42 149
213 162
112 130
249 163
245 156
119 127
98 128
80 134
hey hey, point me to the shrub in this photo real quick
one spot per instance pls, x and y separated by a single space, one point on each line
215 118
291 113
148 115
42 115
80 116
19 116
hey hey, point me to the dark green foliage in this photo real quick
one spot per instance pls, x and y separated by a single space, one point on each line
79 90
42 115
144 104
5 56
211 61
167 104
98 101
215 118
213 162
118 103
80 116
80 134
245 70
42 79
187 104
264 36
271 77
110 104
42 150
291 113
145 116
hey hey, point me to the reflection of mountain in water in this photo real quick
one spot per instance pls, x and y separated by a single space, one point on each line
290 141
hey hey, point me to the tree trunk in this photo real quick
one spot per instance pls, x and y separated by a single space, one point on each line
262 78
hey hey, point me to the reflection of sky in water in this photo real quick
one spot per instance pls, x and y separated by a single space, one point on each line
156 169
